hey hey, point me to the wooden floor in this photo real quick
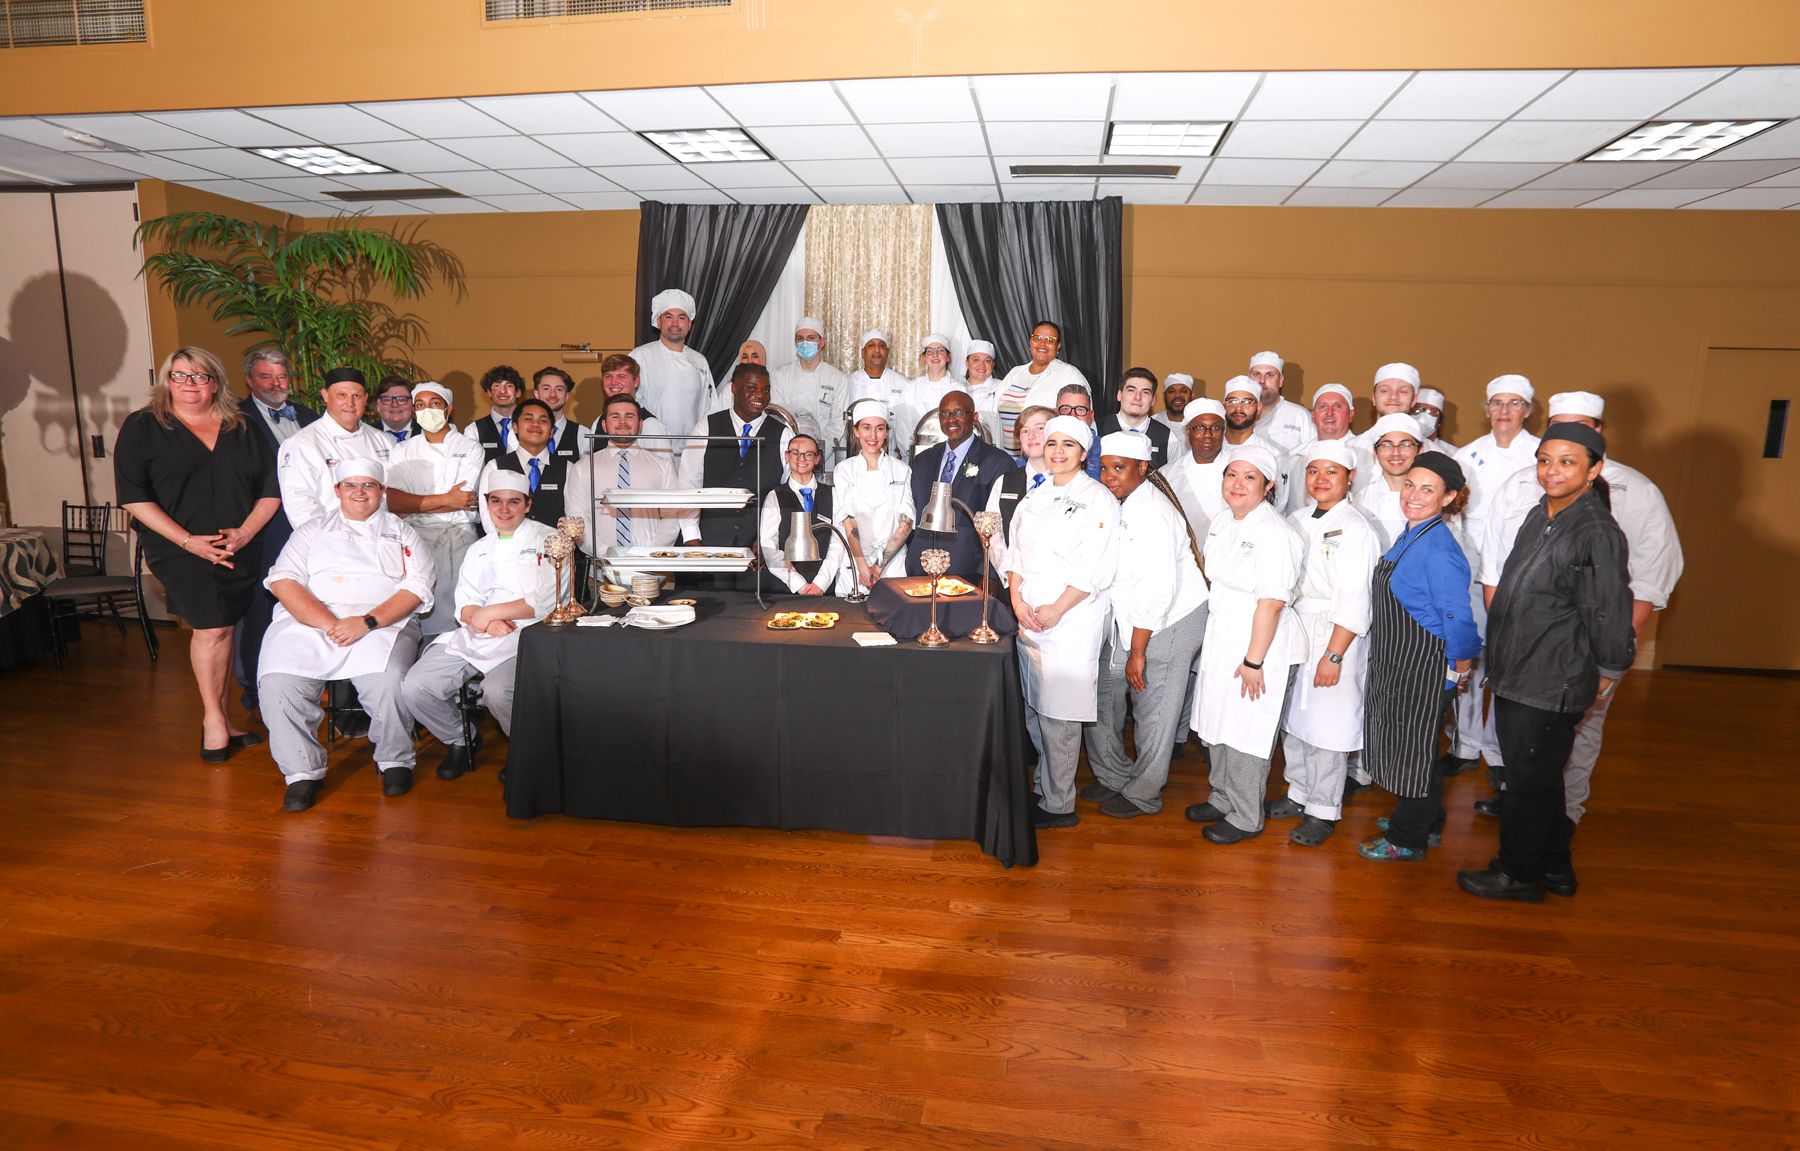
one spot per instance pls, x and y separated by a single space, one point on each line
182 965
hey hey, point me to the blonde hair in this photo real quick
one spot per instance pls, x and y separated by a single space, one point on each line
224 404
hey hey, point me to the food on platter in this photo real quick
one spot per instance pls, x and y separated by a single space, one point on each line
947 586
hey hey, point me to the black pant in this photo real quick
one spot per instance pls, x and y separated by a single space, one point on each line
1534 829
1414 820
250 636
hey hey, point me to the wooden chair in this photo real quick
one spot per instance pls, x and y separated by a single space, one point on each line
85 589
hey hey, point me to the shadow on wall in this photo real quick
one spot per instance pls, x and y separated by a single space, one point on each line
35 349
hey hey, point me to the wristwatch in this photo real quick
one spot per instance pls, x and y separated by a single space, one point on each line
1253 666
370 622
1334 657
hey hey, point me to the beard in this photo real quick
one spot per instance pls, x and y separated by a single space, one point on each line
1238 421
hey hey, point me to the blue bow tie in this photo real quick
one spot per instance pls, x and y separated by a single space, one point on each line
286 412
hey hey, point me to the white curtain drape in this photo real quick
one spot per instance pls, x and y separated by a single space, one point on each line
775 327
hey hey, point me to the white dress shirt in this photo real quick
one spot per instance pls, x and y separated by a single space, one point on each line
769 535
509 434
284 429
693 455
594 475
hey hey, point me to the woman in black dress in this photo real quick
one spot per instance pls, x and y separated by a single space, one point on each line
191 469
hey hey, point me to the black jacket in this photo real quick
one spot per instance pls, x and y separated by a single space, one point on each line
966 555
1561 616
275 535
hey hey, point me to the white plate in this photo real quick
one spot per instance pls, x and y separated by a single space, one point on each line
677 497
640 559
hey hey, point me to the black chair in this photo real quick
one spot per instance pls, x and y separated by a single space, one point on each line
468 706
85 589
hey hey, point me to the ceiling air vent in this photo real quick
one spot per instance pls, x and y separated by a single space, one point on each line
42 23
363 194
1082 171
550 9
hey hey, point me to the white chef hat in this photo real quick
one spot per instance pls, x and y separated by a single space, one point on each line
1396 422
1335 390
980 348
1242 384
1174 378
1398 372
1431 397
867 408
1511 385
1202 406
1126 445
1268 360
367 469
1577 404
435 389
506 481
810 324
937 338
671 298
1337 451
1073 428
873 334
1258 457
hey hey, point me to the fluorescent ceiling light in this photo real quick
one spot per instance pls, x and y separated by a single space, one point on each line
321 161
92 141
1173 138
1680 139
708 145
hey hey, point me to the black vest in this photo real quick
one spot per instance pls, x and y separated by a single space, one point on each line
1013 486
568 445
547 501
723 467
789 502
487 434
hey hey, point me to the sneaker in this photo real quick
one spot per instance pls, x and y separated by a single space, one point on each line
1048 820
1121 808
1381 851
1432 838
1096 793
1204 813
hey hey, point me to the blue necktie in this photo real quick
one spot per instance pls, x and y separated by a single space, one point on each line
744 444
1036 480
537 467
949 466
286 412
505 428
622 516
399 436
1093 463
806 498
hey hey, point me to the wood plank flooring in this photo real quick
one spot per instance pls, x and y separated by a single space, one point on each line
183 965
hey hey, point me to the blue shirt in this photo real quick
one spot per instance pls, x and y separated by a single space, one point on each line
1432 584
956 455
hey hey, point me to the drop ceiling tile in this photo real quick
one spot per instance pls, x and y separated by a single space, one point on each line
477 183
842 172
413 156
373 182
1546 141
1048 96
230 162
1719 173
1253 195
941 170
1462 174
1750 200
1370 173
152 165
384 208
297 187
928 139
1182 95
955 194
1338 197
1788 179
689 196
1147 192
759 105
291 207
555 112
1438 197
1747 94
1260 172
656 178
1414 139
530 203
556 181
1467 95
773 196
1288 139
862 194
1322 95
507 152
69 167
1781 142
1618 93
436 119
826 142
1025 190
133 132
232 128
235 189
940 99
1049 137
461 208
1606 176
601 148
40 132
336 124
1540 198
753 174
1650 198
649 109
602 201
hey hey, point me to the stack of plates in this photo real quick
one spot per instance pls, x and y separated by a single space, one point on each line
646 584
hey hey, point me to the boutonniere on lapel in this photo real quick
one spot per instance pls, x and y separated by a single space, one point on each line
970 471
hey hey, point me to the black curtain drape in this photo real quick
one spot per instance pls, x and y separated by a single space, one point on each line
1017 264
727 256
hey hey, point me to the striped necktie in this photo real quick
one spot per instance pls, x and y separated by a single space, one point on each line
622 516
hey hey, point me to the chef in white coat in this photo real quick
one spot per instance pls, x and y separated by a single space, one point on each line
1396 443
808 386
1396 390
1428 409
675 381
349 585
1178 393
1197 477
984 387
1158 619
874 380
431 484
507 583
1282 422
871 497
1325 718
308 488
1333 407
1253 644
1062 562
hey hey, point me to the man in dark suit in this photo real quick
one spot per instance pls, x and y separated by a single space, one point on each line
1136 396
971 466
267 374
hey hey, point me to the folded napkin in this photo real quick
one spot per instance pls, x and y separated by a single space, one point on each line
665 616
873 638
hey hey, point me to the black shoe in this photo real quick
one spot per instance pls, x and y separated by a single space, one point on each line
1121 808
1351 787
502 777
1496 884
455 763
1046 820
396 781
249 700
1283 808
1313 831
1450 764
248 739
353 724
213 754
301 795
1227 834
1179 751
1204 813
1563 885
1489 807
1096 793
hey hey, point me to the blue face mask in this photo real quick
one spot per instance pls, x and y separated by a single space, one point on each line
806 349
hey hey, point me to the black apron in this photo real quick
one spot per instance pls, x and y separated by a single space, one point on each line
1404 699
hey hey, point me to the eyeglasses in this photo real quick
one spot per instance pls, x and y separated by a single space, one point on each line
1508 405
1074 409
394 401
369 486
1242 403
1403 445
1048 340
803 455
197 377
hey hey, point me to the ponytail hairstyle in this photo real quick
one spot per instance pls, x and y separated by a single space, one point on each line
1161 483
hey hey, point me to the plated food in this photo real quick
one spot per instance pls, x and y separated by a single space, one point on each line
947 586
790 620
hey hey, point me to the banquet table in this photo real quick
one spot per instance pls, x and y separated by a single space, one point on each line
28 565
724 722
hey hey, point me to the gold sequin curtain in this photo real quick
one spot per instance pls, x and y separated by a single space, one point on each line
869 266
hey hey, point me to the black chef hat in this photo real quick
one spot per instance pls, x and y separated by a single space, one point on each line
339 375
1443 465
1577 432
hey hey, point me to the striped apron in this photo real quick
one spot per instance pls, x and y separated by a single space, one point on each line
1405 696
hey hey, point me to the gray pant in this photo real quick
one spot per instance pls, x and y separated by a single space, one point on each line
290 708
1057 762
449 543
1156 710
1315 777
1240 780
1578 776
431 688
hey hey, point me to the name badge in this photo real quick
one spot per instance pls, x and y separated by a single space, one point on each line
546 487
489 444
1338 532
1009 495
570 452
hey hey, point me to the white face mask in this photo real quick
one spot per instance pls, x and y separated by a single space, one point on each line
432 419
1427 423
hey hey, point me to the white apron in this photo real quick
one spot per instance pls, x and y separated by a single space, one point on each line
1064 540
875 500
517 576
1328 717
1222 713
351 575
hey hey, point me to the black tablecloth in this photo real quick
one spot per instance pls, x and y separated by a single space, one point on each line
906 617
25 633
727 723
